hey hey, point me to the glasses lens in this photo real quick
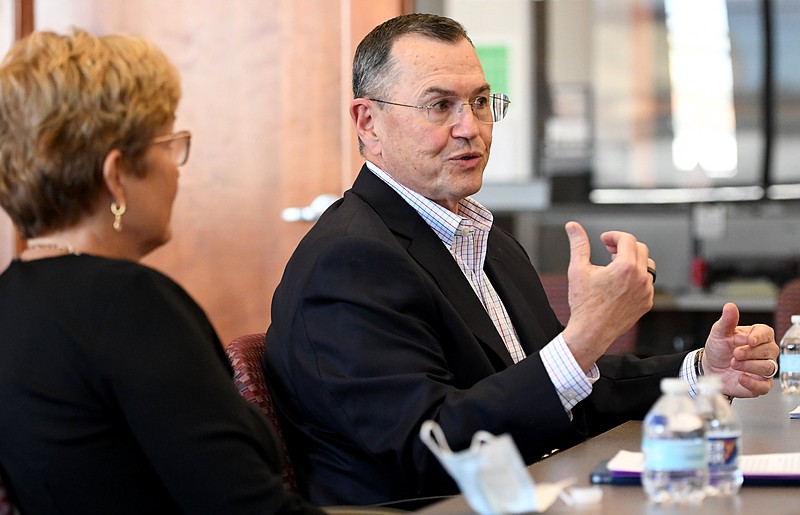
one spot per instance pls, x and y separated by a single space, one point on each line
449 111
178 145
500 103
482 107
180 148
443 112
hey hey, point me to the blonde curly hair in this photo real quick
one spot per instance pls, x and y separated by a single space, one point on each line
66 101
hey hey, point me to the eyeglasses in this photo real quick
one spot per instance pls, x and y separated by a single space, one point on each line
447 111
179 143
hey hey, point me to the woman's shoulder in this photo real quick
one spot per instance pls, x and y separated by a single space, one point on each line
135 279
96 269
97 279
144 294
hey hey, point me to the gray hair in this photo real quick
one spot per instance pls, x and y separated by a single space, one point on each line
373 66
372 63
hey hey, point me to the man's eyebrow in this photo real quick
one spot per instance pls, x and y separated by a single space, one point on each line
482 89
438 91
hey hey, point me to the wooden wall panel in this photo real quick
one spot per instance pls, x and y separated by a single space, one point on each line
21 11
7 239
312 110
264 86
23 18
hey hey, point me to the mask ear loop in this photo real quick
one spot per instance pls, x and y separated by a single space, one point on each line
432 435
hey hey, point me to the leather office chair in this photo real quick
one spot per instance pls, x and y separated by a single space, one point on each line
786 305
556 286
244 353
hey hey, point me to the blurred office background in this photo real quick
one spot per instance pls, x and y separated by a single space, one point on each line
676 120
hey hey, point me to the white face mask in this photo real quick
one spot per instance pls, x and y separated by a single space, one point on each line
491 473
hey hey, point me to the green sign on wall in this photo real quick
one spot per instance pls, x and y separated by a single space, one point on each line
494 59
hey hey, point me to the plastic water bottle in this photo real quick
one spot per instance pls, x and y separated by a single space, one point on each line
674 447
723 434
790 358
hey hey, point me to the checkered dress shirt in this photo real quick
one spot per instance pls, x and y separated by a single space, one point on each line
466 235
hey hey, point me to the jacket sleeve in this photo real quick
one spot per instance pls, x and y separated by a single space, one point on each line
383 350
627 388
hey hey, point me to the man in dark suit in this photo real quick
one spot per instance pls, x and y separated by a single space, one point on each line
404 303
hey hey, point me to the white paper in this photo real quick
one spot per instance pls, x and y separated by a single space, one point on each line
777 464
627 461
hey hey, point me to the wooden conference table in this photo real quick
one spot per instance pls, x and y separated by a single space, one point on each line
766 429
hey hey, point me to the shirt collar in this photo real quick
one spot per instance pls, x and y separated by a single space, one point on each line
444 222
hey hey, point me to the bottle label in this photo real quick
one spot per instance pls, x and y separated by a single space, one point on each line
790 363
723 452
674 455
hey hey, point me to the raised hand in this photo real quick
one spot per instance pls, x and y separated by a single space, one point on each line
743 356
605 301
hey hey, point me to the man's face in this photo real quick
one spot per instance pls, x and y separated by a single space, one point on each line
442 163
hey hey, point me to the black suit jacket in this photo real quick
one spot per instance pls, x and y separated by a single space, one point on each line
375 329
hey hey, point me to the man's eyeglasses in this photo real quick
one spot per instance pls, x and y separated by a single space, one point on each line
179 143
447 111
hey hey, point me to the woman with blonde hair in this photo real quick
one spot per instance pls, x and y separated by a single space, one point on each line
115 393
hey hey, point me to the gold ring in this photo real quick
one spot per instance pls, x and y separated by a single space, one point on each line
652 271
774 370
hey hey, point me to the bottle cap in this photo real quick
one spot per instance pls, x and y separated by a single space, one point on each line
674 385
795 319
709 384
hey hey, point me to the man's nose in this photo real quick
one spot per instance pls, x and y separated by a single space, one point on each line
468 122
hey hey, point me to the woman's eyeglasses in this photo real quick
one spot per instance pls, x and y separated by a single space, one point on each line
179 143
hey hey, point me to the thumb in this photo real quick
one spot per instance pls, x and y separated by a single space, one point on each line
726 325
579 247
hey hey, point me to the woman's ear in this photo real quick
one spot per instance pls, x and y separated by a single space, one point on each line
113 172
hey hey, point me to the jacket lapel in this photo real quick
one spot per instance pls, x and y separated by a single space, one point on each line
427 250
517 284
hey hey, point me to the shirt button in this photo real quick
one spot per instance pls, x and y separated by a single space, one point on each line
569 394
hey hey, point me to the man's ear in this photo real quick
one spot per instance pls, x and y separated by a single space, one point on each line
361 111
113 175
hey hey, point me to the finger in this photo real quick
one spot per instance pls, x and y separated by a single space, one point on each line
755 342
643 254
617 242
651 268
747 353
760 334
726 325
579 247
646 264
757 386
764 350
772 369
626 251
762 368
625 247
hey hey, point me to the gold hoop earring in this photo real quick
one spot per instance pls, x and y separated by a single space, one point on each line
117 211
